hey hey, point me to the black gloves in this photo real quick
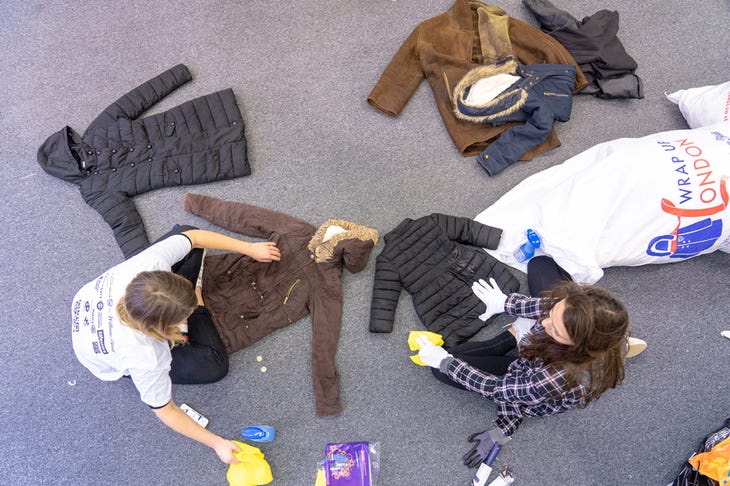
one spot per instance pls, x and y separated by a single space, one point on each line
483 444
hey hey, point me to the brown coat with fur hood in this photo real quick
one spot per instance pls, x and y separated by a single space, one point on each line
444 48
249 300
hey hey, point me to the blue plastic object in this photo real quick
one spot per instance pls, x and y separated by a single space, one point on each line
259 433
493 453
527 249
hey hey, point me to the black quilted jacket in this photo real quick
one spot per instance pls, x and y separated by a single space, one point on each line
120 155
429 258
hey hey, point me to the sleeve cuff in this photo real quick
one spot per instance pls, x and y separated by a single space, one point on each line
491 164
444 365
158 407
507 427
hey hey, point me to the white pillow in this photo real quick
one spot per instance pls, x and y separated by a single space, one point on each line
662 198
703 106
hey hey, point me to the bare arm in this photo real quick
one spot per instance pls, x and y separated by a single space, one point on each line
172 416
263 252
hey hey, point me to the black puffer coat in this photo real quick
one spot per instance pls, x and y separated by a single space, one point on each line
428 257
121 155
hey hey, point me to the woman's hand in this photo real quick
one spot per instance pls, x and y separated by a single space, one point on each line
225 449
491 295
264 252
429 353
172 416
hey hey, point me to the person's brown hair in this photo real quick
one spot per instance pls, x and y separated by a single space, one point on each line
598 324
155 301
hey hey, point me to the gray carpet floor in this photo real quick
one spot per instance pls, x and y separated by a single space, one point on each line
301 72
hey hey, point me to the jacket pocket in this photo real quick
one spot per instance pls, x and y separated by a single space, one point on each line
169 125
290 289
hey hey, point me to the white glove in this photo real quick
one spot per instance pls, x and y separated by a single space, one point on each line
522 326
429 353
491 295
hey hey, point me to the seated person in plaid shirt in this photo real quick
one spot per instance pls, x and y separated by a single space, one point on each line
571 345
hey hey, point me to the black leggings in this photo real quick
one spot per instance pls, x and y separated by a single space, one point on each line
495 355
203 359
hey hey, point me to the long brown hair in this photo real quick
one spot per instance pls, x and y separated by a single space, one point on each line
155 301
597 323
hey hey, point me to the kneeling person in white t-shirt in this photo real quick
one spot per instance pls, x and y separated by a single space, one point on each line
127 322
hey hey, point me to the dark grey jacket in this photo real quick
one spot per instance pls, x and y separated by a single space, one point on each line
594 44
120 155
429 258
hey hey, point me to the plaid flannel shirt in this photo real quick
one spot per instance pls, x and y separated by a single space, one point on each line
529 388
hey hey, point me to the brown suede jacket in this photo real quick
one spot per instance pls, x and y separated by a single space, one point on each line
249 300
444 48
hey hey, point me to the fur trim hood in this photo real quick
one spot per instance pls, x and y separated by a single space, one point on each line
548 86
350 242
506 103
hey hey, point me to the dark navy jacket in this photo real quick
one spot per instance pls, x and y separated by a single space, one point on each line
542 94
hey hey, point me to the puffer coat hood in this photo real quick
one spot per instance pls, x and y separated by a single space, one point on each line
58 159
121 155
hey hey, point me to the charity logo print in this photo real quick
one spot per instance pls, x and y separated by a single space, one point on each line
700 199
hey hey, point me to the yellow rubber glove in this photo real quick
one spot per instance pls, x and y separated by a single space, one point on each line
252 470
413 345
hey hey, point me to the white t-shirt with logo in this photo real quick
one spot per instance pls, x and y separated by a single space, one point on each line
110 349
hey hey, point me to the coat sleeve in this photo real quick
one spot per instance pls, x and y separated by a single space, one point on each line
518 140
399 80
243 218
386 292
326 312
143 97
119 211
468 231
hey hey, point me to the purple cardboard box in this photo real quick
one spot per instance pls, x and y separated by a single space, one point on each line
347 464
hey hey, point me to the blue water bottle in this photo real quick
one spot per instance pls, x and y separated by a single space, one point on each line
527 249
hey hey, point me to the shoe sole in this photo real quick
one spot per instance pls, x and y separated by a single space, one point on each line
636 347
